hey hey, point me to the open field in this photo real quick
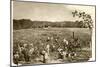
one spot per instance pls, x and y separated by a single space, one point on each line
38 37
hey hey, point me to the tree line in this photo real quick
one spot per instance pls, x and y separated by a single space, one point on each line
27 23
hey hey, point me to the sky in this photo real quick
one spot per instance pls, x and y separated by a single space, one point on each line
48 11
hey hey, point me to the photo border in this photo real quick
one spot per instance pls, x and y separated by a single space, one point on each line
11 33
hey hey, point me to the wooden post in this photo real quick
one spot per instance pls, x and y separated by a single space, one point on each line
73 35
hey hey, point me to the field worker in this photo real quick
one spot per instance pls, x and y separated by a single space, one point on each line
25 45
21 55
19 49
64 54
30 53
52 47
48 48
45 56
31 50
65 41
66 50
48 39
56 39
25 53
69 55
65 44
16 58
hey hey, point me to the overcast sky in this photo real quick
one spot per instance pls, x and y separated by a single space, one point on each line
48 11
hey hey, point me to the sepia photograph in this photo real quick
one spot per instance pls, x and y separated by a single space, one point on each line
51 33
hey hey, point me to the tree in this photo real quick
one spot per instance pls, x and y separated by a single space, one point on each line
87 21
86 18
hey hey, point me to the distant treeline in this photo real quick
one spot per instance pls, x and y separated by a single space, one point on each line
26 23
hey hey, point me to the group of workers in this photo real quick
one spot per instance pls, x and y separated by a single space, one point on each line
26 52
